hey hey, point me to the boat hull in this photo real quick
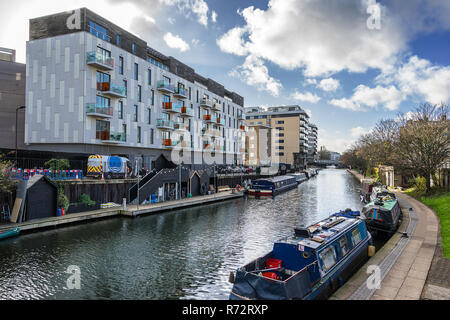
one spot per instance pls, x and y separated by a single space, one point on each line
267 192
9 233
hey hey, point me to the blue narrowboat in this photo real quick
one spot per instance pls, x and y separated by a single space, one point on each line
312 264
272 186
300 177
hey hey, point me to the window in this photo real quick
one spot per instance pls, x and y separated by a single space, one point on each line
99 31
103 102
280 134
124 130
120 110
166 80
190 93
280 147
279 122
328 257
136 71
102 130
133 48
280 141
197 96
135 113
149 116
280 128
101 79
356 237
280 154
125 85
149 77
105 54
118 40
343 244
120 65
139 93
166 98
153 98
138 134
151 136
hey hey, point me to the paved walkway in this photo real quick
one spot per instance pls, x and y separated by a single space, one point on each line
407 275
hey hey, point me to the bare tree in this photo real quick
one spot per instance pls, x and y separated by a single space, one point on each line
423 143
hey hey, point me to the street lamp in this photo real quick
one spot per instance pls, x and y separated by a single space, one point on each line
17 110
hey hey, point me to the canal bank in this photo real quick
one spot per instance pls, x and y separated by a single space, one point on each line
129 211
403 261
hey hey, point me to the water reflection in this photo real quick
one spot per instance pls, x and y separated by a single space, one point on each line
184 254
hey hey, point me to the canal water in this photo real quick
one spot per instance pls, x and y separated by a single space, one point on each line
183 254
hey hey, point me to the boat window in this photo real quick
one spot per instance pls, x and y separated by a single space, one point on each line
356 237
343 243
328 257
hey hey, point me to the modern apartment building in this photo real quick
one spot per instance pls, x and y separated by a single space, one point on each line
93 87
288 132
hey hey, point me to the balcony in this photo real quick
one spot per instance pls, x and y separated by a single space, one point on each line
220 121
187 112
211 132
100 61
181 126
170 107
164 124
99 111
165 87
169 143
242 128
207 118
112 90
241 117
215 106
111 137
180 93
205 103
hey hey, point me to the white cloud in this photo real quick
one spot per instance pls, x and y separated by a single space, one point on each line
171 20
358 131
214 16
363 96
307 96
232 42
255 73
309 81
418 77
329 84
175 42
291 33
333 141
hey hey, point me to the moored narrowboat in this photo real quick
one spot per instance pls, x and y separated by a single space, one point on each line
367 186
312 264
378 192
382 215
299 177
9 233
272 186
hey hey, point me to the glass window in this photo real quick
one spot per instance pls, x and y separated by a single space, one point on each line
118 40
133 48
135 113
139 93
151 136
166 98
120 109
125 85
136 71
328 257
121 65
102 78
102 130
356 237
149 115
124 129
343 244
153 98
99 31
149 78
138 134
103 102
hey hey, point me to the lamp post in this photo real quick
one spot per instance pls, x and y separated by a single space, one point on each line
17 110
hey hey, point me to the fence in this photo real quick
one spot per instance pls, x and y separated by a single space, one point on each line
25 174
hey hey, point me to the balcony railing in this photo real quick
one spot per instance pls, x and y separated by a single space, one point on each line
96 110
241 117
187 112
111 89
98 60
207 117
215 106
205 103
171 107
170 143
181 93
117 137
164 124
220 121
165 87
181 126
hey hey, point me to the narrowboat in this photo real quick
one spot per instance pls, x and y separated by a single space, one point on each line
378 192
310 265
366 189
272 186
9 233
382 215
299 177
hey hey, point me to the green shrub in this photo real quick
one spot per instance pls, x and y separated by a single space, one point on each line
63 201
420 185
57 164
85 199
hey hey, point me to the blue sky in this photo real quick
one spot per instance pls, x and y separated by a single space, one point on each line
327 56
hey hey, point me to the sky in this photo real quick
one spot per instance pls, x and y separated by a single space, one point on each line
348 63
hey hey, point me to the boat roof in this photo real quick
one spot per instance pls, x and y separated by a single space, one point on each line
275 179
323 232
388 205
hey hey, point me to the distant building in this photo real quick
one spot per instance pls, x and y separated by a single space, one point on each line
7 54
292 140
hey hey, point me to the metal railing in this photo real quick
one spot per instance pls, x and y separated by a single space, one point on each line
98 58
98 109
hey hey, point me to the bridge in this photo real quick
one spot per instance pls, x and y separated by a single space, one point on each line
324 163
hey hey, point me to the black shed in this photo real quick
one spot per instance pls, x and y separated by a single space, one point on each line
41 198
